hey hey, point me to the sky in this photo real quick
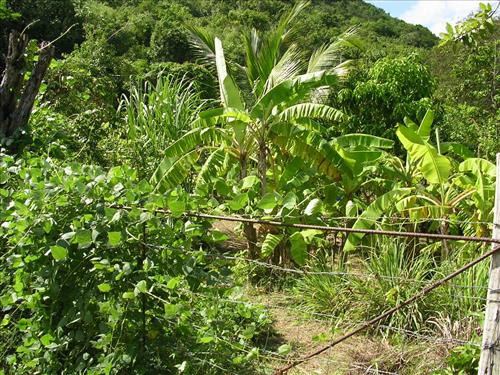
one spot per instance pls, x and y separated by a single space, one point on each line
433 14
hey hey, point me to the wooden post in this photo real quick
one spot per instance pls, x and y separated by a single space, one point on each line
489 363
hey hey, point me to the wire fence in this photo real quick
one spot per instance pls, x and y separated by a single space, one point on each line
427 285
326 228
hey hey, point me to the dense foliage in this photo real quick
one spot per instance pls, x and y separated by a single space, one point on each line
329 113
87 287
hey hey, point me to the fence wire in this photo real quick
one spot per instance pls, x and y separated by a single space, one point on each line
376 321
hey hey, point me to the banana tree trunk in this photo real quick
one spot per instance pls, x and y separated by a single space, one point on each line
248 229
263 166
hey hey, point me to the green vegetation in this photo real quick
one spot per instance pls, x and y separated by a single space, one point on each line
327 113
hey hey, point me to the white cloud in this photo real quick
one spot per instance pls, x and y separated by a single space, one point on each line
434 14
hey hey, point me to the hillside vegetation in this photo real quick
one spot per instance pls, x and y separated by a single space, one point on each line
121 121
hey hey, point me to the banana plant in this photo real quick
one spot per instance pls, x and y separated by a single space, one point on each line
440 188
281 91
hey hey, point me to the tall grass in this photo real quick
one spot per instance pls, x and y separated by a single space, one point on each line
156 115
393 271
396 272
465 295
327 294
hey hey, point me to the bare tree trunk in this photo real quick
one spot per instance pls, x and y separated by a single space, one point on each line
17 98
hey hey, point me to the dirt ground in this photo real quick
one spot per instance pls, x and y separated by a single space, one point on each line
361 354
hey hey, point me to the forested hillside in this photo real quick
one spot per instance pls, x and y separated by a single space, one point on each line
228 187
106 44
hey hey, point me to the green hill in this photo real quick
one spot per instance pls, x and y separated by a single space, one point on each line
152 31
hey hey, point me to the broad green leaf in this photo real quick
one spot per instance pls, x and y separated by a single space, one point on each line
456 148
351 209
311 111
375 210
83 237
58 252
114 238
313 149
206 339
229 92
46 339
290 200
409 123
141 287
285 349
238 202
364 140
176 205
313 207
171 309
194 138
357 158
240 131
211 167
268 201
171 173
222 187
173 282
298 250
249 182
104 287
309 234
478 166
270 243
434 167
425 126
298 88
128 295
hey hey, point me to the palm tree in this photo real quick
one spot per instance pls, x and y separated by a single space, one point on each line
282 96
273 101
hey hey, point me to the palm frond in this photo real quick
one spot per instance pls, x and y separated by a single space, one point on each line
252 45
285 31
329 56
203 45
289 66
265 52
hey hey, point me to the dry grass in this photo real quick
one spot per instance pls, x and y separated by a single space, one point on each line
360 354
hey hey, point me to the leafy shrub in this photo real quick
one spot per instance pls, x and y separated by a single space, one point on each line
383 95
463 360
86 287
